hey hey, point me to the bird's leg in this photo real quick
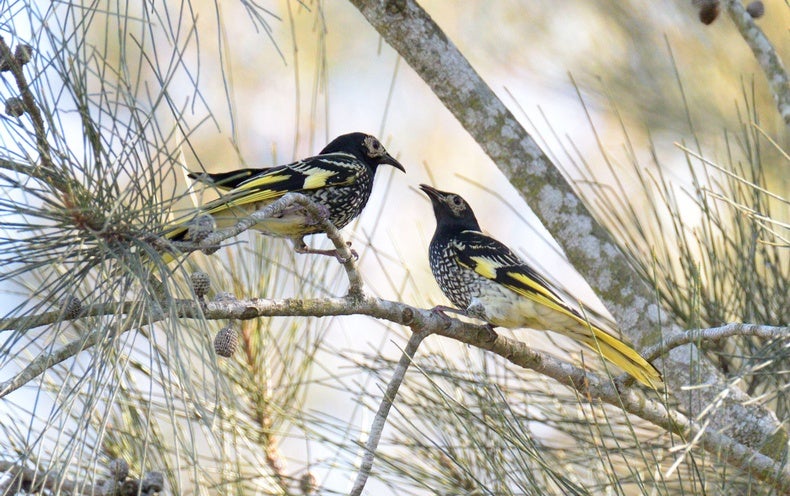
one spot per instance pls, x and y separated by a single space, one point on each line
492 334
477 310
301 247
443 310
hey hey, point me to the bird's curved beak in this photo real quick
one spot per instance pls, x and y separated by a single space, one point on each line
433 193
387 159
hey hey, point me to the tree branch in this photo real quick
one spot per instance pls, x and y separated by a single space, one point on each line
715 334
46 170
15 67
588 384
46 360
31 481
420 41
765 54
380 419
215 239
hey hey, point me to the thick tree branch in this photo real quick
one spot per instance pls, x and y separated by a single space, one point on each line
765 53
589 385
420 41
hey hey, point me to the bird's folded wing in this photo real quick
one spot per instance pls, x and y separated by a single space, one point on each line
314 173
493 260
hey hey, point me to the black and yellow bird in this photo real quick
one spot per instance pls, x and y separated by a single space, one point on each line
339 178
486 280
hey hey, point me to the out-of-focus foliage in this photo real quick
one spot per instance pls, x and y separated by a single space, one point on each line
135 93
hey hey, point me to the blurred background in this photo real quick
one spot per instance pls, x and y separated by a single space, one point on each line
608 88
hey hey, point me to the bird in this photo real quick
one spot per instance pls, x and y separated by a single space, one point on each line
339 179
484 279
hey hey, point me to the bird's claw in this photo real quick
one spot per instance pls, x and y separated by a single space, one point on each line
442 311
302 248
315 219
491 333
343 260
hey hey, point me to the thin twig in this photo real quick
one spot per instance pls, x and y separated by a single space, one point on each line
45 170
714 334
27 322
46 360
334 235
380 420
30 103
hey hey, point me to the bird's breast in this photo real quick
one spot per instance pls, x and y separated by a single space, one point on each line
456 282
344 202
502 307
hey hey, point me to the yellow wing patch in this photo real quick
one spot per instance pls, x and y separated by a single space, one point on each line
263 181
485 267
317 177
259 196
526 286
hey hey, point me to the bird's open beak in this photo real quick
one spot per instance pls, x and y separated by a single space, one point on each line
387 159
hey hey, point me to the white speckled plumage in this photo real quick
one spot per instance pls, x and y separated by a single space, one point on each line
340 178
488 281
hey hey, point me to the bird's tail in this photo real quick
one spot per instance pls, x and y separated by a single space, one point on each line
625 357
176 231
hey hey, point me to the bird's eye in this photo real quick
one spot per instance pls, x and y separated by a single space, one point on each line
373 147
457 201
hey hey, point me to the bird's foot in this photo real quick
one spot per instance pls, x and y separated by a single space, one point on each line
313 219
491 334
302 248
443 310
477 310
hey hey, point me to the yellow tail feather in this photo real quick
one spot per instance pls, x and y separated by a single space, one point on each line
625 357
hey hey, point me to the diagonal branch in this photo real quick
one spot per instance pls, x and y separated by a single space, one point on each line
45 171
377 428
14 65
422 43
765 54
134 319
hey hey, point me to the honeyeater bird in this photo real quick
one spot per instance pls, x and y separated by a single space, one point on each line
339 178
486 280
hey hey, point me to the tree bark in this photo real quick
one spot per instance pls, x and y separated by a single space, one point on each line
419 40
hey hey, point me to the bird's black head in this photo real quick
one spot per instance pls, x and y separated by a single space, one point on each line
452 211
363 146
